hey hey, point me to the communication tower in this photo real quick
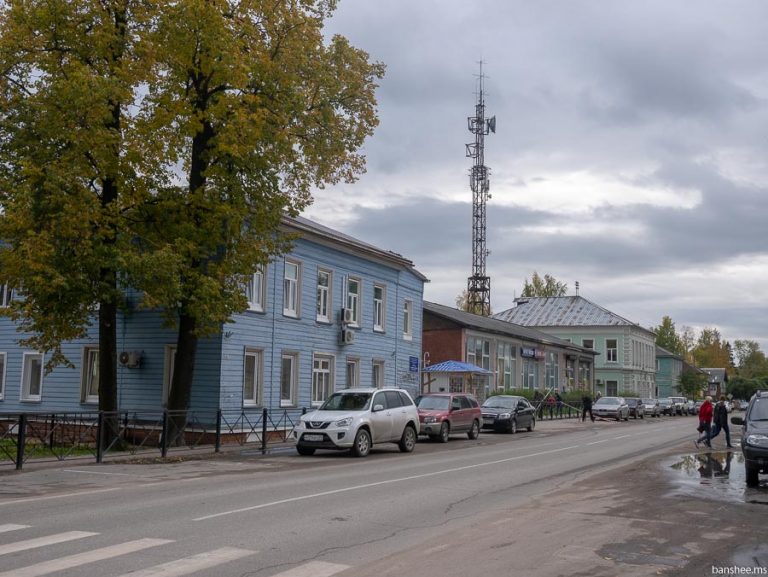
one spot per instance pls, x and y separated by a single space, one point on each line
479 284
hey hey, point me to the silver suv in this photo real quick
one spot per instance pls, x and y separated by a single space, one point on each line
357 419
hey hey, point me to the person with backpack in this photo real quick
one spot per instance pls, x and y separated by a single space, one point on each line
720 422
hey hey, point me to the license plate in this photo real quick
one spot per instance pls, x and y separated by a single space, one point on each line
488 421
313 437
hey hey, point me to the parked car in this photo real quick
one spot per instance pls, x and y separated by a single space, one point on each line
651 407
754 437
444 414
636 407
614 407
667 406
357 419
690 408
679 405
508 413
697 406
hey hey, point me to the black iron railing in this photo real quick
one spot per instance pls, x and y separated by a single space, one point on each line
27 437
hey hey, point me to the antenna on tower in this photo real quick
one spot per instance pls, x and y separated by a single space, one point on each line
479 284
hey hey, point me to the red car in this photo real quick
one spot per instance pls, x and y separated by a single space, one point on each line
444 414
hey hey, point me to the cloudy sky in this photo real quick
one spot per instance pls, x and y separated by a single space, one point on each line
631 151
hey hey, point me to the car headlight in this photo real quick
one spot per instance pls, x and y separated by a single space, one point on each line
346 422
430 419
505 415
757 440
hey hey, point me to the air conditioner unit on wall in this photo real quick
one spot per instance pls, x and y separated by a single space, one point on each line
131 359
347 337
347 316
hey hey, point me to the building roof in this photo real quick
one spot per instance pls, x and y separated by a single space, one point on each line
662 352
568 311
456 367
310 228
501 327
716 375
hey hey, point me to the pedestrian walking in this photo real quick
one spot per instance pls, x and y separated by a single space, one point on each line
720 422
551 405
559 400
586 407
705 422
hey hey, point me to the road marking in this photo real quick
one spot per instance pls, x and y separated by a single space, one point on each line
11 527
598 442
64 563
43 541
314 569
622 436
99 473
379 483
62 496
193 564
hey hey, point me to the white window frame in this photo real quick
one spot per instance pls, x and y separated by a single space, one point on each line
169 366
257 378
6 296
377 373
408 320
323 378
379 308
612 353
26 378
324 296
354 300
4 361
293 376
291 289
90 365
256 290
352 374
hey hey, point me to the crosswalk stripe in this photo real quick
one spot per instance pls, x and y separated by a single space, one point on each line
43 541
63 563
314 569
12 527
192 564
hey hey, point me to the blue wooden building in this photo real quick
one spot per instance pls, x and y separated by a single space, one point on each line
334 312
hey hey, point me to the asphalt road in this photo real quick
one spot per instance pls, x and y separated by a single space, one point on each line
570 498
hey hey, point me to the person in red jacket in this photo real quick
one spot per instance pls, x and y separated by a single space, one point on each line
705 422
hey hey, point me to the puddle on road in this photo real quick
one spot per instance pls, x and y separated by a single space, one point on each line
715 475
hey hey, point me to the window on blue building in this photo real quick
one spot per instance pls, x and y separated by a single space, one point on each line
291 290
32 377
322 378
288 379
353 300
2 375
379 299
252 377
255 291
89 386
324 299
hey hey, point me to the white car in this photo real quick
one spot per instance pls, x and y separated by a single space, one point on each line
357 419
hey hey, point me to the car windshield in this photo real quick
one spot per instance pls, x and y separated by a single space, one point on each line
608 401
347 402
436 403
500 403
759 410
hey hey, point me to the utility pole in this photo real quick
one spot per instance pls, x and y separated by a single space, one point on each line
479 284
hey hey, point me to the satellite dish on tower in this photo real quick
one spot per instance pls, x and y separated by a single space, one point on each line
492 124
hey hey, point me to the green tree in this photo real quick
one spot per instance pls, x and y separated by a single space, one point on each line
68 70
750 360
548 286
465 303
692 384
711 351
258 108
667 337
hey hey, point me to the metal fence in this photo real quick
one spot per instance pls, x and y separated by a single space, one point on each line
41 437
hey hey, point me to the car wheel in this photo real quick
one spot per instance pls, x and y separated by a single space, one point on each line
362 445
305 451
474 432
752 477
618 416
513 426
408 440
445 432
532 425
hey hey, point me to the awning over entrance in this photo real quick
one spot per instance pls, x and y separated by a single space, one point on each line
456 367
